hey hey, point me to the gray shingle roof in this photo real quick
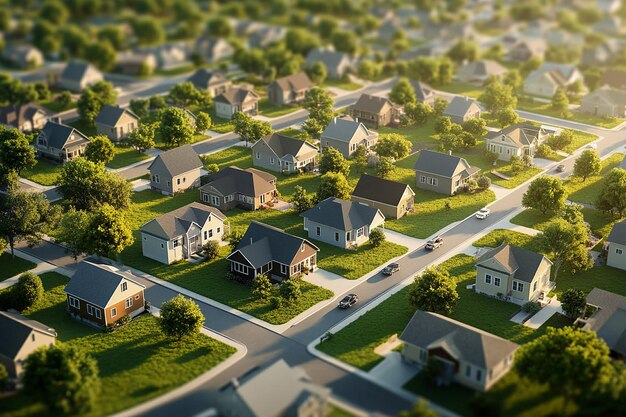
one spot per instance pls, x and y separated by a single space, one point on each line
609 322
236 96
371 104
610 96
422 90
330 58
459 106
618 232
344 129
440 163
177 161
250 181
465 343
203 78
15 329
110 115
177 222
284 145
380 189
524 263
341 214
294 82
58 134
75 70
523 133
483 68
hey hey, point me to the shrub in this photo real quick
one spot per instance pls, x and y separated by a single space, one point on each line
27 292
181 317
377 237
290 290
211 250
531 307
543 151
471 185
262 287
484 182
276 303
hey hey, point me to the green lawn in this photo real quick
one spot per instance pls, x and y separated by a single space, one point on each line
455 397
84 127
420 136
183 69
268 109
136 363
341 84
600 222
159 143
589 190
469 90
11 266
44 172
336 411
514 179
218 124
495 238
235 155
125 156
293 133
56 107
590 119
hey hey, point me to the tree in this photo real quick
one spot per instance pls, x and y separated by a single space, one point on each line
443 125
100 149
368 70
573 302
108 232
333 161
463 50
211 250
148 31
377 237
440 106
249 129
203 122
234 238
573 214
187 95
359 158
393 145
587 164
290 290
450 142
612 198
560 103
301 200
566 243
402 92
506 117
63 377
517 165
54 12
545 194
16 152
88 106
562 140
176 127
333 184
262 287
475 127
417 113
72 231
498 96
420 409
345 41
142 138
300 41
220 27
114 35
385 166
102 54
181 317
483 182
319 104
317 72
327 26
434 291
27 292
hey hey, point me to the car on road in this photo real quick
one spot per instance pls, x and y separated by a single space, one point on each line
560 168
348 301
483 213
592 146
434 243
391 269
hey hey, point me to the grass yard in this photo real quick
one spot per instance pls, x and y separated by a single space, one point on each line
235 155
268 109
336 411
11 266
589 190
600 222
293 133
125 156
56 107
159 143
590 119
44 172
218 124
514 179
466 89
605 277
341 84
137 362
420 136
84 127
495 238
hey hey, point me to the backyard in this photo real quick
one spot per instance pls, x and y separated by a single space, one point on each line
589 190
44 172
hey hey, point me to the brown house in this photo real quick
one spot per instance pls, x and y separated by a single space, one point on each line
100 295
394 199
235 187
115 122
288 90
374 111
24 117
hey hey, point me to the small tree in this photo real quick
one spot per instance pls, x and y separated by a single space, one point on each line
417 113
560 103
142 138
234 238
319 104
434 291
100 149
317 72
562 140
498 96
545 194
402 92
377 237
506 117
262 287
475 127
181 317
359 158
443 125
290 290
333 184
517 165
203 122
27 292
612 197
333 161
301 200
108 232
211 250
573 302
176 127
483 182
439 106
72 231
587 164
385 166
393 146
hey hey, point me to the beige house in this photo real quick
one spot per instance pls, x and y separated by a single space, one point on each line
526 49
604 102
20 338
181 233
468 356
616 246
374 111
78 75
477 72
115 122
60 143
214 82
237 99
516 140
283 154
546 80
346 134
513 273
25 117
250 189
394 199
176 170
289 90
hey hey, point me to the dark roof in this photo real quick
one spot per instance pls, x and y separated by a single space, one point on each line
177 222
15 330
285 145
295 82
203 78
345 128
522 262
469 344
177 161
614 78
75 70
371 104
262 244
110 115
16 115
609 321
379 189
330 59
618 233
341 214
236 95
58 134
250 181
422 90
459 106
439 163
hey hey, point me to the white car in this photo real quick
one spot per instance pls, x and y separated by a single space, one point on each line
483 213
592 146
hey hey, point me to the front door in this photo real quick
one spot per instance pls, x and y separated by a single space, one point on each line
193 244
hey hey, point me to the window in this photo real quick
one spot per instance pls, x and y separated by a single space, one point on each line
237 267
535 286
218 230
284 269
206 235
468 371
423 355
349 236
169 183
177 181
262 198
258 155
124 286
496 281
156 179
302 248
175 243
137 297
272 161
90 310
336 237
215 200
487 279
129 303
619 251
98 313
113 312
162 246
518 286
479 375
318 231
210 233
74 302
184 180
360 232
422 179
433 181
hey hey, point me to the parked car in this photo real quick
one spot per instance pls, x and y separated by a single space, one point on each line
391 269
348 301
592 146
560 168
483 213
434 243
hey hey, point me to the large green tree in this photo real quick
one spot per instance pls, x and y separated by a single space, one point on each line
498 96
93 98
434 291
72 231
333 184
333 161
393 145
181 317
402 92
566 244
612 197
100 149
16 153
250 129
573 302
142 138
187 95
176 127
587 164
319 104
108 232
545 194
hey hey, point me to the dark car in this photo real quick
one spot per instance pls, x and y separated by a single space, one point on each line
560 168
434 243
391 269
348 301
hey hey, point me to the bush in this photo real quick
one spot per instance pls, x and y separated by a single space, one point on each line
484 182
290 290
4 377
543 151
531 307
471 185
211 250
27 292
180 317
276 303
377 237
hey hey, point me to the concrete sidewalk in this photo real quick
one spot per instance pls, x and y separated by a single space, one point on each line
42 267
394 371
543 315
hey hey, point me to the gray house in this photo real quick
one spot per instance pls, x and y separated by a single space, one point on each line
461 109
235 99
423 92
22 56
233 187
213 49
24 117
606 316
289 90
394 199
283 154
616 246
342 223
346 134
604 102
20 338
477 72
60 143
79 75
116 122
176 170
337 64
469 356
214 82
516 140
181 233
442 173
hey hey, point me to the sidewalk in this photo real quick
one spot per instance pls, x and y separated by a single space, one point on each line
41 268
543 315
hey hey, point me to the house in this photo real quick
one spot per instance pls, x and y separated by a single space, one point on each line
469 356
527 48
461 109
214 82
337 64
605 315
116 122
78 75
281 153
374 111
213 49
600 55
610 25
22 56
60 143
137 63
341 223
289 90
477 72
170 56
423 92
235 187
235 99
101 294
267 250
442 173
25 117
346 134
551 76
176 170
393 199
604 102
616 245
181 233
20 338
516 140
515 273
276 390
614 78
265 35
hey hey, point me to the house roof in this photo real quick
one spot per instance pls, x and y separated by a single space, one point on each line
380 190
16 115
465 343
330 58
614 78
523 134
15 330
618 232
236 96
177 222
58 134
342 214
372 104
441 164
483 68
249 181
76 70
513 259
296 82
609 321
203 78
177 161
459 106
285 145
607 95
344 129
263 243
422 90
110 115
97 284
